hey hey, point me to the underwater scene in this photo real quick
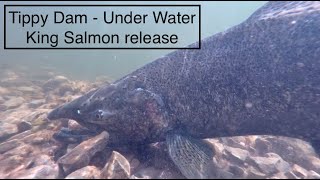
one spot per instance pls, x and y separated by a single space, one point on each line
218 90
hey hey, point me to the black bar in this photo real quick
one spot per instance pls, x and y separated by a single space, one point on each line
89 0
115 48
112 5
199 6
4 23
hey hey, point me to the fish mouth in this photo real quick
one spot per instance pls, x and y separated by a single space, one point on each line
53 115
69 110
60 112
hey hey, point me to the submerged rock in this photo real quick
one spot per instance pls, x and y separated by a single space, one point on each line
20 135
10 163
88 172
55 82
236 154
262 146
39 137
117 167
36 103
291 175
27 149
270 165
24 150
4 91
147 173
14 102
24 126
280 175
253 173
7 130
81 155
6 146
235 142
2 100
26 89
65 90
39 172
313 175
74 125
299 171
237 171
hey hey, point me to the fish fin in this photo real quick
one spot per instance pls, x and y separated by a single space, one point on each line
193 157
316 146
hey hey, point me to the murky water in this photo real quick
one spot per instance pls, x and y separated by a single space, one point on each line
86 65
34 82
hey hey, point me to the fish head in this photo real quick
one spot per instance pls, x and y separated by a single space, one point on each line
125 109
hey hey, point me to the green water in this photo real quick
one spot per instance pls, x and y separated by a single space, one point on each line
88 64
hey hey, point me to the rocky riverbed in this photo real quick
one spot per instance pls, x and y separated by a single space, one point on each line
27 149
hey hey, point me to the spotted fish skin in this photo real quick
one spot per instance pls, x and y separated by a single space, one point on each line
261 77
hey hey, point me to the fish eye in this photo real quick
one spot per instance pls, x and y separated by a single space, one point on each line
78 111
99 115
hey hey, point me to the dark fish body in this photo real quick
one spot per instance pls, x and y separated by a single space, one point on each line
261 77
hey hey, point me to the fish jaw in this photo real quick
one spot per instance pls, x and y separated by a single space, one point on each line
61 112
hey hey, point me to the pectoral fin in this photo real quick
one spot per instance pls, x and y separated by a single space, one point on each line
193 157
